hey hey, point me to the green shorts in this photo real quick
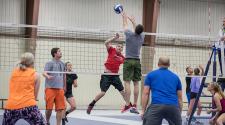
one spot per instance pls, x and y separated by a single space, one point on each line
132 70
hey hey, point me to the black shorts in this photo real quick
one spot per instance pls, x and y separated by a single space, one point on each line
68 95
107 80
193 95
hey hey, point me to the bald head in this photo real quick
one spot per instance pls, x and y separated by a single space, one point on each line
164 62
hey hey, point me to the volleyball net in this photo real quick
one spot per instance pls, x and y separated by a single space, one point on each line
86 50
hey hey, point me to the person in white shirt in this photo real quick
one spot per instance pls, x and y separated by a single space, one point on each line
218 43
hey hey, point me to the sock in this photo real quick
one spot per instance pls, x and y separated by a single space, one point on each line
92 103
67 112
130 104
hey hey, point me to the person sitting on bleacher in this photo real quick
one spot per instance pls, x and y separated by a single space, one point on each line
219 102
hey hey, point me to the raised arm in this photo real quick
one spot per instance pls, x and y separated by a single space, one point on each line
132 20
125 22
202 69
108 41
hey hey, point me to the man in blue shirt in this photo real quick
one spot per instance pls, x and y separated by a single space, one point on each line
166 96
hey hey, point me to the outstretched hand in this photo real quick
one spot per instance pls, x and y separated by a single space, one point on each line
201 66
132 19
123 13
208 111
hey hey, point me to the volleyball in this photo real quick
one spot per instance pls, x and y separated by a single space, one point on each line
118 8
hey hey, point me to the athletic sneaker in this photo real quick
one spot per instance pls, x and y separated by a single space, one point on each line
89 109
134 109
194 121
198 122
126 108
66 120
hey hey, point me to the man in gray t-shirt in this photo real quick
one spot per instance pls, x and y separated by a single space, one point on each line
54 86
132 66
57 81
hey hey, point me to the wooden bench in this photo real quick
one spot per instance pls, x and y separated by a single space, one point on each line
3 100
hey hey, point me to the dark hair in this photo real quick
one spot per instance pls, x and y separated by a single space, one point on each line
187 68
54 51
139 29
196 71
66 65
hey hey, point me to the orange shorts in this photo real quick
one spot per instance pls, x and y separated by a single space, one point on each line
54 96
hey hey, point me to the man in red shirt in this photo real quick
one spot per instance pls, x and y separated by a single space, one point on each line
114 59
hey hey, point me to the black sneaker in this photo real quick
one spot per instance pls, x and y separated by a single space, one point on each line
66 120
89 109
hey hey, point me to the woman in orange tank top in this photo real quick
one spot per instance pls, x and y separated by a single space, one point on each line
23 91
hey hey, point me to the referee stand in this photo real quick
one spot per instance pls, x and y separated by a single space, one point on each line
216 49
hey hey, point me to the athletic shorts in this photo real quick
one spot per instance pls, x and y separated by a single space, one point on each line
132 70
54 96
193 95
68 95
107 80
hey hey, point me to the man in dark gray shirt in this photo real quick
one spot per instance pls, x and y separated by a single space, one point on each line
54 86
132 66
